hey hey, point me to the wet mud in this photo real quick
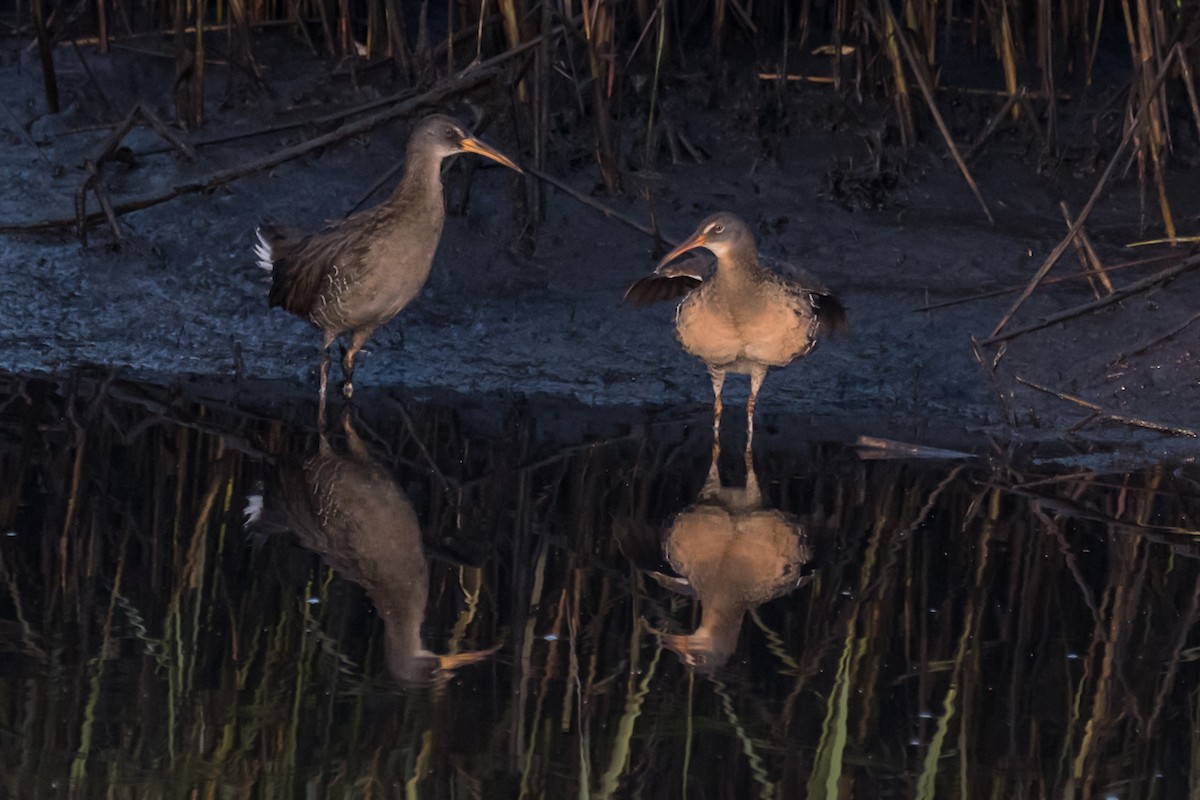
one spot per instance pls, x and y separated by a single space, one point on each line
508 316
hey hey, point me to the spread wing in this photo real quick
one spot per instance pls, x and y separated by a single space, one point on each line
831 314
669 281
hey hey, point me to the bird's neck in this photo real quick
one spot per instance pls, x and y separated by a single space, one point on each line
422 179
737 269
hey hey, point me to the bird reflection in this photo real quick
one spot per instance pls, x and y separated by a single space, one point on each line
350 511
733 555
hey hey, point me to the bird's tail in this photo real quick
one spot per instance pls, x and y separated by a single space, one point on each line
830 312
263 248
254 509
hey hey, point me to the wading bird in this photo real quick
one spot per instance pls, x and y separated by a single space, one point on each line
744 317
356 274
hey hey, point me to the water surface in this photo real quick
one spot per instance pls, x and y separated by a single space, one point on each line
439 601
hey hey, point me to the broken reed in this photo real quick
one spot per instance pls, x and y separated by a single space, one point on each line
950 597
595 70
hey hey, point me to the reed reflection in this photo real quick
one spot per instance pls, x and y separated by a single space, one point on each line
349 510
732 555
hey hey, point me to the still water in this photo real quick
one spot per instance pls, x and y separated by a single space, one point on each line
203 599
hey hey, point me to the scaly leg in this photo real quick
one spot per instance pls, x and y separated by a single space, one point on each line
756 380
330 338
718 381
357 339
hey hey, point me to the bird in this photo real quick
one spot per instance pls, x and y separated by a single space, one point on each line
356 274
731 554
347 507
744 317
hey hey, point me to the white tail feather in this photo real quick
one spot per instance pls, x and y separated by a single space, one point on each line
254 509
264 251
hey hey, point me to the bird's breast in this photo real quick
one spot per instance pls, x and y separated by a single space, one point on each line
752 327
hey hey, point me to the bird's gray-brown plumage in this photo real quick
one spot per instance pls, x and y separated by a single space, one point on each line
732 555
743 317
358 273
348 509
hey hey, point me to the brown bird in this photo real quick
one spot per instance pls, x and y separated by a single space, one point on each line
732 555
348 508
356 274
744 317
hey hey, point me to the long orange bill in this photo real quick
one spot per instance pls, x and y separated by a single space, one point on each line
691 243
472 145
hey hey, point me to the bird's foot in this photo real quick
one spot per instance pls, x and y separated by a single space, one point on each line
348 390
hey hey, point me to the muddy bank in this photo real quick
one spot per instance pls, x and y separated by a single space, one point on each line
502 319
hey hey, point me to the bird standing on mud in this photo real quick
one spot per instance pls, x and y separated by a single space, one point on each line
356 274
744 318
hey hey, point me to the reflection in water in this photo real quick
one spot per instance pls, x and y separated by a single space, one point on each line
733 555
349 510
977 628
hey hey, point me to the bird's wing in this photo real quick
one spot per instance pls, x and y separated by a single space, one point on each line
831 314
300 263
669 281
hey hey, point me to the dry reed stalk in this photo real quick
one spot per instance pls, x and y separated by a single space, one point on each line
512 34
1151 135
931 102
1006 50
543 72
1088 259
1099 411
102 26
397 41
890 35
344 34
49 79
1061 247
1142 348
598 29
1118 294
447 88
196 116
1047 282
1046 64
718 24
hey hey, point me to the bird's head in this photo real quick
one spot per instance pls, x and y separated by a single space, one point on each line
445 137
723 234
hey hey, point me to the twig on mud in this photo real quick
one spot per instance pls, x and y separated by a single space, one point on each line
877 449
94 166
1099 412
611 213
1061 247
991 127
315 122
1176 240
1120 294
1157 339
931 102
1087 254
95 183
988 365
444 89
1048 282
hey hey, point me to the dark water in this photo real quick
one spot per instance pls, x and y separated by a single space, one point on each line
474 602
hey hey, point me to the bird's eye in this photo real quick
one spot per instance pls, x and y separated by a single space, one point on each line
450 133
718 228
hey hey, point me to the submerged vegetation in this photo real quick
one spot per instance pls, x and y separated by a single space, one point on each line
974 627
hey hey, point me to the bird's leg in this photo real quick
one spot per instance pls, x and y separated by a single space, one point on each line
324 372
718 381
756 380
357 339
753 493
